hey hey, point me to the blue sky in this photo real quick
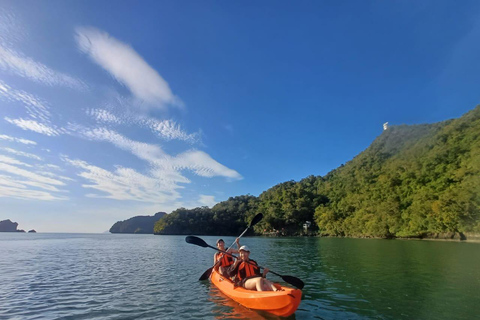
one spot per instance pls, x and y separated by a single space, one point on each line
114 109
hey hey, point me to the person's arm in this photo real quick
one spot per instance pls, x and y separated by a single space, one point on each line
237 242
265 271
215 259
232 271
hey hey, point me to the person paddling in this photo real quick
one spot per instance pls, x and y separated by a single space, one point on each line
225 260
247 273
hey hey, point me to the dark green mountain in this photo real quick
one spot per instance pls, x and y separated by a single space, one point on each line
138 224
413 181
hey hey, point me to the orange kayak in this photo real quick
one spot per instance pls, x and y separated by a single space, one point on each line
281 303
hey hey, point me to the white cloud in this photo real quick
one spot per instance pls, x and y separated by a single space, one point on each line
197 161
170 130
142 150
165 174
19 140
27 194
203 165
24 184
124 184
208 201
23 154
35 126
36 108
165 129
22 66
9 160
102 115
127 66
30 175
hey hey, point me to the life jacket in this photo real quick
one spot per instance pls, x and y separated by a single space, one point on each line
248 270
225 260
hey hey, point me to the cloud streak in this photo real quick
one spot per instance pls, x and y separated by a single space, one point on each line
165 173
35 126
14 62
127 66
14 139
23 183
23 154
123 184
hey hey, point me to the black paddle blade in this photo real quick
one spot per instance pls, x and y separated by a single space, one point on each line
256 219
196 241
294 281
206 274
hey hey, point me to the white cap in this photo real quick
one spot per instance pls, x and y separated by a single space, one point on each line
244 248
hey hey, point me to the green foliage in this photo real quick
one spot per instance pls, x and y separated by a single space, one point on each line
138 224
229 217
412 181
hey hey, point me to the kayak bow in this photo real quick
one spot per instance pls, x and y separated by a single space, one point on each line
281 303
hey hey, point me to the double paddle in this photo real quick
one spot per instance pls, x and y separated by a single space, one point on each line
294 281
254 221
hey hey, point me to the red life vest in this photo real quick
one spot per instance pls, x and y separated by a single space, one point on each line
248 270
225 260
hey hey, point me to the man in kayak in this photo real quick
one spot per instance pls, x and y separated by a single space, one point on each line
247 273
225 260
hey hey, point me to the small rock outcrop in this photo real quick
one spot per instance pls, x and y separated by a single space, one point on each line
32 231
8 226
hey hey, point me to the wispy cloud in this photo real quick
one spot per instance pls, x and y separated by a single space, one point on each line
35 107
197 161
25 183
203 165
165 129
9 160
104 116
15 63
23 154
170 130
124 184
35 126
14 139
165 173
127 66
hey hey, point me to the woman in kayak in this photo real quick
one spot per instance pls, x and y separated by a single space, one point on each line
247 273
223 261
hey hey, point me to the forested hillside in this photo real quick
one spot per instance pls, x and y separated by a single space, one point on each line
413 181
138 224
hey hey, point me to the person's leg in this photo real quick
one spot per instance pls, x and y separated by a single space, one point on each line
253 284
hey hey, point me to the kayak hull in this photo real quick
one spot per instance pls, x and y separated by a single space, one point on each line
280 303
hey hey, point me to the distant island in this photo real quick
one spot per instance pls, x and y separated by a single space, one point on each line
138 224
413 181
9 226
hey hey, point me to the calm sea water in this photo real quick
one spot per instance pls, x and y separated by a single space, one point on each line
103 276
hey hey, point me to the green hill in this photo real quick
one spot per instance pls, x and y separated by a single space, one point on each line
138 224
413 181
